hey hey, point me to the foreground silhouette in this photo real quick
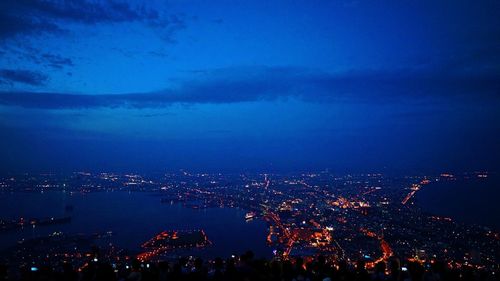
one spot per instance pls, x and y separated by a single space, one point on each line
247 268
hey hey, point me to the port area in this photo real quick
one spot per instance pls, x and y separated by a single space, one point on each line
172 240
58 247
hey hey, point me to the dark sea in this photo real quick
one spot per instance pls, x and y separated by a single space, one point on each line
474 201
133 218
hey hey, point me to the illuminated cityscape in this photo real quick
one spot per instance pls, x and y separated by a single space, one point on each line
369 217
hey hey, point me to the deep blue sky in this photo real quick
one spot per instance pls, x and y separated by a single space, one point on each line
249 85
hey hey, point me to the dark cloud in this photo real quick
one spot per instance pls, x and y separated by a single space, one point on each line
155 115
160 54
256 84
28 17
218 21
57 61
25 19
11 76
40 57
13 22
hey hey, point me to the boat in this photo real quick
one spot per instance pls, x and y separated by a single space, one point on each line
250 215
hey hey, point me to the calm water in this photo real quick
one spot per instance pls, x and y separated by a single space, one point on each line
133 218
471 201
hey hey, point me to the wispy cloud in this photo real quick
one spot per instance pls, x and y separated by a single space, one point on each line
11 76
57 61
245 84
22 20
43 16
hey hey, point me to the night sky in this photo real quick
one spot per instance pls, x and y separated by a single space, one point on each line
409 86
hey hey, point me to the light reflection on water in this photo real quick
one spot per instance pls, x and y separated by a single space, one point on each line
133 218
